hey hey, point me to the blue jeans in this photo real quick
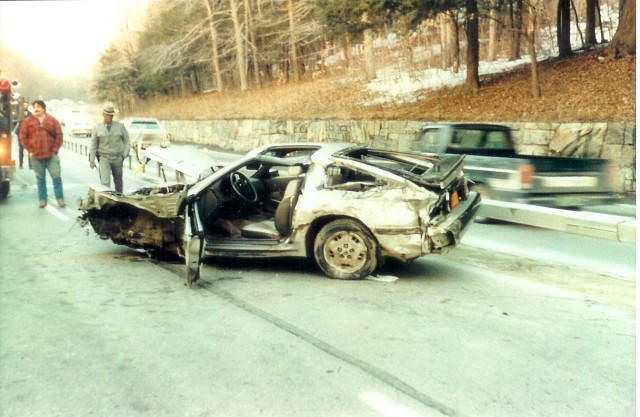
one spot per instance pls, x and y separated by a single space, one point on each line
40 167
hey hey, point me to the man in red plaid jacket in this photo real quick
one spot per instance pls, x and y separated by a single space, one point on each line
41 135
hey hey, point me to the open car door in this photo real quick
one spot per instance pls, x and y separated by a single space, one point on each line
193 243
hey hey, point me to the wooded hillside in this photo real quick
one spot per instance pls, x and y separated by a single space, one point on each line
579 88
216 48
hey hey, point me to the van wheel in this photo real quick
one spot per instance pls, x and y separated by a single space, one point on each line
5 187
344 249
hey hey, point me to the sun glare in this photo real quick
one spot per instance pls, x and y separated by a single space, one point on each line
62 37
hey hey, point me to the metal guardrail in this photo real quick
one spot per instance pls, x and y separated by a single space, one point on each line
603 226
81 146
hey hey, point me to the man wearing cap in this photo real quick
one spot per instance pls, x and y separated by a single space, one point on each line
110 146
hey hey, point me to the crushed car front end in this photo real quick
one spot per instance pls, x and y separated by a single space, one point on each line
150 218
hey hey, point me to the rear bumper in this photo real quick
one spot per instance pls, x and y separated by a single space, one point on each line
451 229
567 200
6 172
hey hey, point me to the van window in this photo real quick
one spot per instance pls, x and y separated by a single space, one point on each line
428 140
466 138
497 140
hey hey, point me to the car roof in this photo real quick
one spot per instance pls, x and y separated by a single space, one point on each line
322 155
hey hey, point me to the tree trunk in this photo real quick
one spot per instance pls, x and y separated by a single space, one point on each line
193 77
346 48
445 50
516 28
252 35
563 28
473 78
531 38
215 61
575 13
493 31
456 40
590 33
293 51
237 28
370 69
624 41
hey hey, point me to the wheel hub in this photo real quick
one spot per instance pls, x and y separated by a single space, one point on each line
346 252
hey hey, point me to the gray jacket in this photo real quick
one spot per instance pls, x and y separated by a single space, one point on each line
109 143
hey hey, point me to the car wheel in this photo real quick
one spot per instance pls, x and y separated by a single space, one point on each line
5 187
344 249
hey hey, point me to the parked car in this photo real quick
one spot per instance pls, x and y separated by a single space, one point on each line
348 207
81 128
145 132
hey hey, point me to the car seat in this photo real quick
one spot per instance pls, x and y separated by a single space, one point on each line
280 225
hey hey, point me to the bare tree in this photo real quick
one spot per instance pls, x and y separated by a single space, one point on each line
370 69
452 15
293 48
590 32
624 41
493 30
213 33
240 43
563 27
531 40
473 47
516 29
253 44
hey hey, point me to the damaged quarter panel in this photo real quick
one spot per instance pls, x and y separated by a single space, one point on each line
395 210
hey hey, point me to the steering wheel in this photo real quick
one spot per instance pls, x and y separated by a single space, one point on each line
243 188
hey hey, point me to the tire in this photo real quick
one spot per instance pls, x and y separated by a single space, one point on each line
345 249
5 187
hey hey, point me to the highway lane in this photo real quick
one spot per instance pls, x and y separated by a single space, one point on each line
497 327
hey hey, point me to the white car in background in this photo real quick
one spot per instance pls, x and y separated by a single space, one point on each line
81 128
145 132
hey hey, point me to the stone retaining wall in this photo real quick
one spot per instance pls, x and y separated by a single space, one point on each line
615 142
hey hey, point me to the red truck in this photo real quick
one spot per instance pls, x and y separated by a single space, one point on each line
8 115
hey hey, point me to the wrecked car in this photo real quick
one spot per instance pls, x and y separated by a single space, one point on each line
347 207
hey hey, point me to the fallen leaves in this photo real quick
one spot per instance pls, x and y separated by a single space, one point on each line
580 88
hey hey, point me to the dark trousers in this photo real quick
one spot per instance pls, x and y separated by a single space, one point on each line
21 156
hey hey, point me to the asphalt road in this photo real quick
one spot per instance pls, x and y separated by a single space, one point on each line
515 322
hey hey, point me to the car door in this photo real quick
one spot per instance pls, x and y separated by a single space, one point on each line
193 243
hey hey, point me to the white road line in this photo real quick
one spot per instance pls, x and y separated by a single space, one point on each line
57 213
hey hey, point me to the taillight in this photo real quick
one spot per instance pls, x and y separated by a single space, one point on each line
526 174
4 148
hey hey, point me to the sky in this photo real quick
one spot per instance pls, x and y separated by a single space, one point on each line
65 37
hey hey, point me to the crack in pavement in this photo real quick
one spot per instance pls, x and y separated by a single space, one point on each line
366 367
